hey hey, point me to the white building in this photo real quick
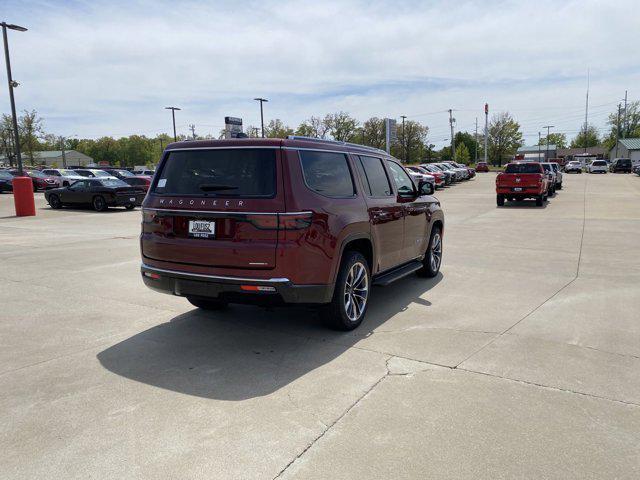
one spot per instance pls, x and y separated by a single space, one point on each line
627 148
51 157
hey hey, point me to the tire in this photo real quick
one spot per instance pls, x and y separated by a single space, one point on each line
131 206
348 308
559 187
500 200
99 203
208 304
539 200
433 258
54 202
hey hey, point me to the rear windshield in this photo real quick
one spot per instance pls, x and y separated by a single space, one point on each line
600 163
624 161
523 168
222 173
113 182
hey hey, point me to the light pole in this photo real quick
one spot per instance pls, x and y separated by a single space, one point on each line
548 127
173 116
12 85
261 100
404 146
62 140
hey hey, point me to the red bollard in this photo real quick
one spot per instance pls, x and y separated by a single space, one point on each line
23 197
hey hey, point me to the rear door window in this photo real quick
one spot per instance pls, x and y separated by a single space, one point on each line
247 173
523 168
374 176
327 173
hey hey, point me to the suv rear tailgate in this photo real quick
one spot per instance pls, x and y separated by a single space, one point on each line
215 208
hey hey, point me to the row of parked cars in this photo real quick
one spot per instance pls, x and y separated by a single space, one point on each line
523 180
618 165
99 188
440 174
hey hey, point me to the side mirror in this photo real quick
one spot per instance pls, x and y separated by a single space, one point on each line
425 188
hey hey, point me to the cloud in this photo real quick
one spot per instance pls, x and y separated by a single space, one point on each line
109 67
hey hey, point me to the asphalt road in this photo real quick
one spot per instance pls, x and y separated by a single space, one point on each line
521 360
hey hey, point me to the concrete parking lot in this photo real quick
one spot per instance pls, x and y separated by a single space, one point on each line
520 360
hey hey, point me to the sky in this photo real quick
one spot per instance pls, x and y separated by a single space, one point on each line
96 68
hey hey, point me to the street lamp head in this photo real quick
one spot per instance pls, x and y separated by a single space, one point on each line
13 27
261 99
172 108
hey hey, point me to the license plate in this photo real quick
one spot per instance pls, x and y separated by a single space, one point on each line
132 199
202 229
517 189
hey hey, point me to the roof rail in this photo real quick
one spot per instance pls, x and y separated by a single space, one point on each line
336 142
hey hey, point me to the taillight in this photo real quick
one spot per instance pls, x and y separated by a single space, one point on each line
148 216
295 221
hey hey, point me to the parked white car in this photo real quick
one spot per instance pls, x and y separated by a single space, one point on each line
65 176
551 175
418 175
558 170
93 173
598 166
573 166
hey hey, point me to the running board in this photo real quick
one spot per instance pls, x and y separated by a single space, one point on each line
397 273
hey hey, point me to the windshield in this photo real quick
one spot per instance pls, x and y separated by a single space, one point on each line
124 173
113 182
523 168
249 172
547 167
600 163
5 174
37 174
101 173
68 173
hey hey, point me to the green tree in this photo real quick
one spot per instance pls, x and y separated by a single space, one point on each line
468 140
557 139
30 129
7 145
586 139
342 127
410 146
374 133
314 127
504 137
277 129
462 154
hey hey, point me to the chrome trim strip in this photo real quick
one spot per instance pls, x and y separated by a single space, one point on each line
216 277
242 147
223 212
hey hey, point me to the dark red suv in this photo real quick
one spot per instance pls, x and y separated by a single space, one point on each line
299 220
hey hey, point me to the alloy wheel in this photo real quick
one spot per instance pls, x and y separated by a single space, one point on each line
356 291
436 252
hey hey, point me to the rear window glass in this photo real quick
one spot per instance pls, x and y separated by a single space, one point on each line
110 182
327 173
222 173
523 168
375 178
600 163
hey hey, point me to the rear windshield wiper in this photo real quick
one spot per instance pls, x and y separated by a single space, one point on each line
210 187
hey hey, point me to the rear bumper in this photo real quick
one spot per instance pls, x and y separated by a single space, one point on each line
526 192
229 289
125 200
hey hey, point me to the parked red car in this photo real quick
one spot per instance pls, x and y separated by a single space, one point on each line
275 221
482 167
522 180
40 180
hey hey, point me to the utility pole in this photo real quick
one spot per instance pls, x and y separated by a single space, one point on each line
64 158
486 129
404 147
624 122
539 140
548 127
475 145
586 115
617 131
261 100
453 140
173 116
192 127
12 85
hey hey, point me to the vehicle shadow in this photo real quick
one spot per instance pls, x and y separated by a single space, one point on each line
246 352
87 209
526 204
